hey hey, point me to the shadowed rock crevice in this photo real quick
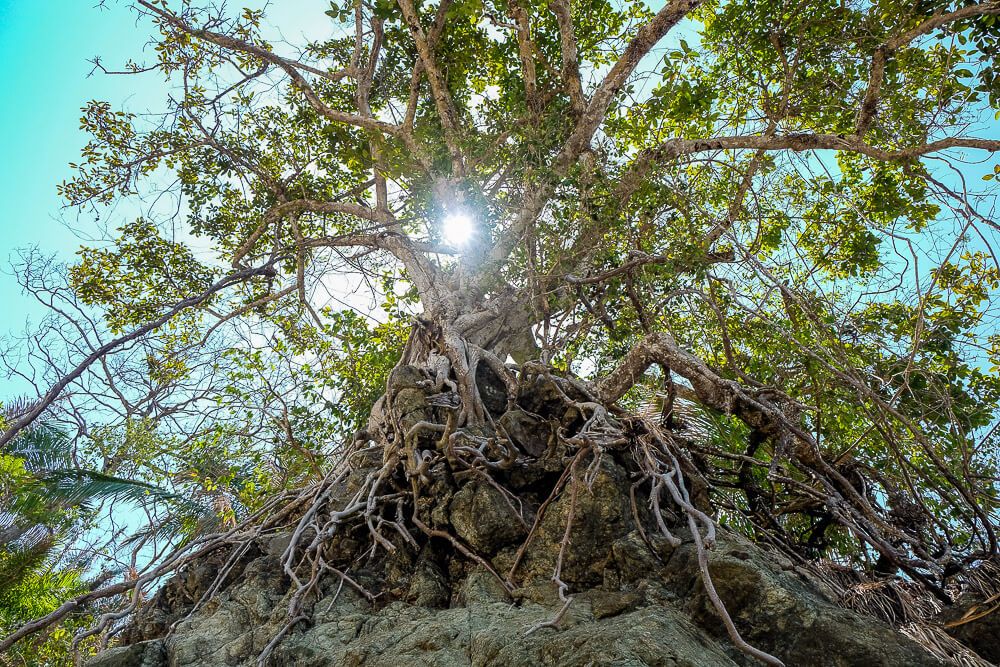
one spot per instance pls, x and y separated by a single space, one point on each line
634 603
637 597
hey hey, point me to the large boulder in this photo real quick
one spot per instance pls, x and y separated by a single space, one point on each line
476 580
637 600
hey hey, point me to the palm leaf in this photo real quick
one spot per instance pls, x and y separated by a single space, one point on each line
42 447
17 564
186 520
76 487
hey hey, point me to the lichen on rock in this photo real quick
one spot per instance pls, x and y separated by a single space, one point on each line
547 559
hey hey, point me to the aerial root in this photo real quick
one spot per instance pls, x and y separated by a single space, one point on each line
561 586
662 469
322 522
390 501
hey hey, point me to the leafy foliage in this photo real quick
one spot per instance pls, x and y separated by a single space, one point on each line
46 500
777 185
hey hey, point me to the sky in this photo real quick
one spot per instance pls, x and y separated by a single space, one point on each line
45 79
44 49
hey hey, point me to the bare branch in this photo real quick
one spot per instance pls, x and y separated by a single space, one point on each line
292 68
25 419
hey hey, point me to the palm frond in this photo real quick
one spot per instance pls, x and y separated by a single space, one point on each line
17 564
42 447
77 487
186 520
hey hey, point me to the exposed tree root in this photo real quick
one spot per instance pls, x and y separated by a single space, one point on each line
434 429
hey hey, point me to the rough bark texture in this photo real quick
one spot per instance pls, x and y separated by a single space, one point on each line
637 597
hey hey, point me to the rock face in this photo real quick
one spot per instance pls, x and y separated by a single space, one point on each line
636 601
975 622
471 579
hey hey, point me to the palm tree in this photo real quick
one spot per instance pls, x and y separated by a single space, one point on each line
44 487
45 496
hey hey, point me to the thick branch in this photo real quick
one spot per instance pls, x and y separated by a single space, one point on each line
298 206
711 390
647 37
425 275
869 104
940 19
525 50
439 86
673 148
579 140
570 59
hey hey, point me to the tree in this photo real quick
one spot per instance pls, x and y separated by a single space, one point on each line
48 501
750 214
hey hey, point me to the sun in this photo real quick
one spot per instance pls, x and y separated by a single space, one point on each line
457 229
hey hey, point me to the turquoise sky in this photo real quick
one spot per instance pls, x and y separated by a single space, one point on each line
44 78
44 48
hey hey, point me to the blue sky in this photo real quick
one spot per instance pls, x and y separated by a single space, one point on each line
44 72
44 48
44 68
45 78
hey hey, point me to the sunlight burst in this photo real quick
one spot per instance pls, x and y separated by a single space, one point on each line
457 229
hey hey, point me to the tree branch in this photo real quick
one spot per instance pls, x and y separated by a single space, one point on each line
579 140
672 148
299 206
570 60
439 87
291 67
869 103
25 419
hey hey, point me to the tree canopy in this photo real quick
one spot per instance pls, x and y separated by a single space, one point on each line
771 223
